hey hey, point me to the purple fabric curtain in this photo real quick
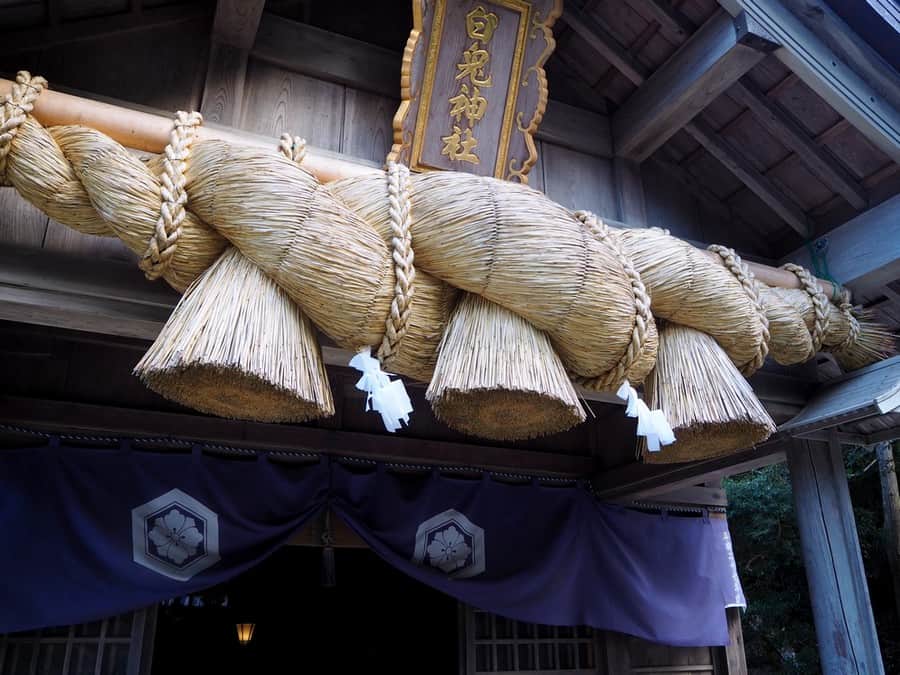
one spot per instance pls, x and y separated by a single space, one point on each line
92 532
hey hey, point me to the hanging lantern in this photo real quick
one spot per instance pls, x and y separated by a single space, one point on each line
245 633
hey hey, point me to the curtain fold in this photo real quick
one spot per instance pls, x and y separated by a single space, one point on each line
92 532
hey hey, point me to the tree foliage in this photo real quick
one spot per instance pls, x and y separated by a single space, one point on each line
778 626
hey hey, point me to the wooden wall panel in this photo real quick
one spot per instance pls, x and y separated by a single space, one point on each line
669 205
579 181
160 67
367 128
279 101
62 238
20 222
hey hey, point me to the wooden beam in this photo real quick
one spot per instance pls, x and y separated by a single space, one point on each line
36 39
842 611
823 69
740 166
713 59
864 252
317 53
778 122
237 22
234 31
74 418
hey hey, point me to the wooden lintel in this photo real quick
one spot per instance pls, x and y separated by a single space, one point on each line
736 162
868 108
640 481
34 39
863 253
73 418
713 59
791 134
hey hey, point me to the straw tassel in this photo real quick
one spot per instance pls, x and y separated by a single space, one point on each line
499 377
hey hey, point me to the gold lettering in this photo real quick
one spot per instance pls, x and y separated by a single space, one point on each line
480 25
474 62
459 149
473 107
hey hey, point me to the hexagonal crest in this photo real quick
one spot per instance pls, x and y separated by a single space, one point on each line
175 535
451 543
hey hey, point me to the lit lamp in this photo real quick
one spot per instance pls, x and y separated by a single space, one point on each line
245 633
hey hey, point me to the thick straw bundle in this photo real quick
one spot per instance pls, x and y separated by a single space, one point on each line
790 340
498 377
710 406
686 287
236 346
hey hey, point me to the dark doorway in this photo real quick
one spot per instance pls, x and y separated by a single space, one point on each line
375 618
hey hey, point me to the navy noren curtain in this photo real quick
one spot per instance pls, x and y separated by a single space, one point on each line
93 532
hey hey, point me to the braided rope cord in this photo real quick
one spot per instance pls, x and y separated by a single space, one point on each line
403 256
853 334
292 147
819 301
15 107
642 316
164 241
743 274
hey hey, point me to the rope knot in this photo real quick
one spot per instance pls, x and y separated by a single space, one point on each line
16 107
164 241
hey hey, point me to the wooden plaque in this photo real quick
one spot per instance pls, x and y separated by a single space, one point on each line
473 86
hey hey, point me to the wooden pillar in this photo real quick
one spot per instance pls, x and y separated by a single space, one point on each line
890 499
845 626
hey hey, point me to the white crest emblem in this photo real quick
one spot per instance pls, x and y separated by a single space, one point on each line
451 543
175 535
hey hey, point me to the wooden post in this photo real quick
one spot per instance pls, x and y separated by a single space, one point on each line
845 626
891 501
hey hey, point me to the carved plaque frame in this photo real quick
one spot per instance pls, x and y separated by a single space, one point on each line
524 42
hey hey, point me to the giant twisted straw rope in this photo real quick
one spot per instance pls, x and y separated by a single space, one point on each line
743 274
518 248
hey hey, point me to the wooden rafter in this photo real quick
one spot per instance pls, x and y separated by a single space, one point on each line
791 134
774 118
715 57
674 25
34 39
759 183
598 35
827 73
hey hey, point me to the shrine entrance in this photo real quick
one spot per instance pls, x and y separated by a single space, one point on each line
374 619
